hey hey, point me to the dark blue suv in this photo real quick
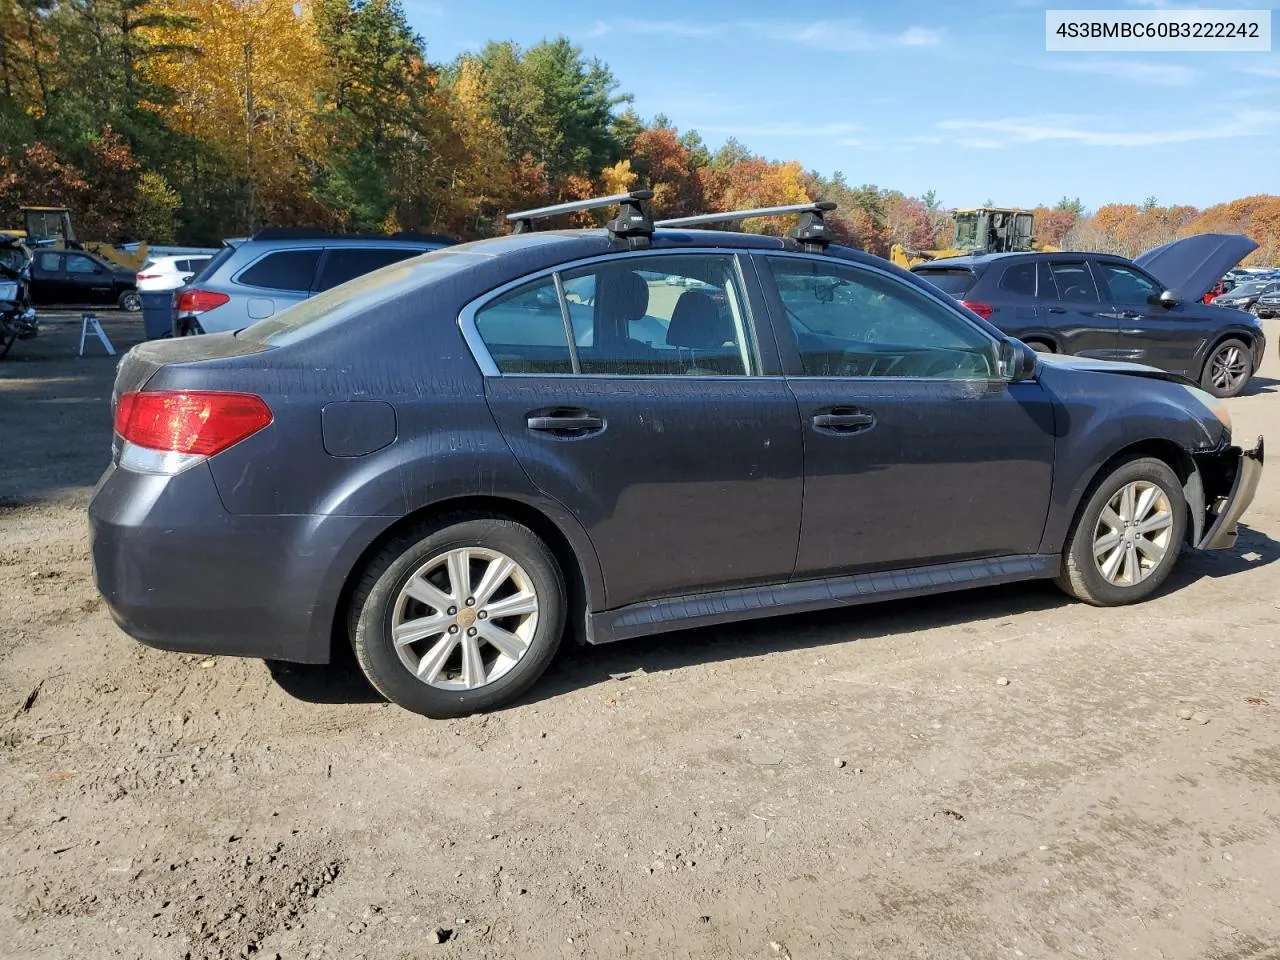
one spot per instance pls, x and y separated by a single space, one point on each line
1147 310
451 462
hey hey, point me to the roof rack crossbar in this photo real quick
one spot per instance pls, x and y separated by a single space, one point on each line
812 233
632 223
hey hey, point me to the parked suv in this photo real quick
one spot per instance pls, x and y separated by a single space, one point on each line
169 273
251 280
1146 310
452 461
76 277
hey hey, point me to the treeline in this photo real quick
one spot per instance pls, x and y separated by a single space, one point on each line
195 120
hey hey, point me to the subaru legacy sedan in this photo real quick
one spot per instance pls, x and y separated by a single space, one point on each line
456 460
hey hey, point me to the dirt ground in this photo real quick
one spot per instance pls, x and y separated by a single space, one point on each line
857 784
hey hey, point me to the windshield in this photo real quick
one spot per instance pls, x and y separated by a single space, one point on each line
967 232
357 297
1247 289
954 282
222 257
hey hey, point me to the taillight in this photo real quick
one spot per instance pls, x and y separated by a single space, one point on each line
984 310
198 301
167 431
148 276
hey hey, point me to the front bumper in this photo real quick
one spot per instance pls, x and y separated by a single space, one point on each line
1226 512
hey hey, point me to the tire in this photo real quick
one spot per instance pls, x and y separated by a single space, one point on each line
130 301
6 344
424 560
1085 578
1228 368
1039 346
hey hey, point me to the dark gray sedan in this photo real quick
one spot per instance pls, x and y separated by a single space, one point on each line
453 461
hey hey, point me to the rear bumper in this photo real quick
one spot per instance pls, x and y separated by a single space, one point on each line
178 572
1224 528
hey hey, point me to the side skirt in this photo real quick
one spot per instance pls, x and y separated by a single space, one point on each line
727 606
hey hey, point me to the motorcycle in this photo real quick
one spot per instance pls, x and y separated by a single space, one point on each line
17 316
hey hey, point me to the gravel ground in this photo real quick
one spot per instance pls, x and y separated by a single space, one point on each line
1001 773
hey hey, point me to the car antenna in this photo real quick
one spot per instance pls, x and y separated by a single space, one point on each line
632 223
812 234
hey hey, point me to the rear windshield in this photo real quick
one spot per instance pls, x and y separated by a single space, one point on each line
356 297
954 282
210 266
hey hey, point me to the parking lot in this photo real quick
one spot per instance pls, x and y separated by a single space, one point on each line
1002 773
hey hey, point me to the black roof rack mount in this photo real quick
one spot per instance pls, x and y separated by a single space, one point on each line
631 224
812 232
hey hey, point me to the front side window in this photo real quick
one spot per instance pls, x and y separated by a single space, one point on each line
1074 282
291 270
851 322
81 265
1127 286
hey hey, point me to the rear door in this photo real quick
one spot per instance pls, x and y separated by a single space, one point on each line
1166 337
915 452
653 424
1073 307
277 280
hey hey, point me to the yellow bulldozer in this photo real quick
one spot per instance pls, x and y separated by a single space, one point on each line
51 227
980 230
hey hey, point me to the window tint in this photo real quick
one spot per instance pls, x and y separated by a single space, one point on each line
80 265
524 330
343 265
214 264
50 262
198 263
1074 282
1020 279
954 282
850 322
660 315
285 270
1127 286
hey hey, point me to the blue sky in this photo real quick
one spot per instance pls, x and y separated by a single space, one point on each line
958 98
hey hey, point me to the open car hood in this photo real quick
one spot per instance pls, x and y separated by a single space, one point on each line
1192 266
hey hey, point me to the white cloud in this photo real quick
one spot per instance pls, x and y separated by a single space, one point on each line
1138 71
883 144
849 36
1006 131
1261 71
791 129
670 28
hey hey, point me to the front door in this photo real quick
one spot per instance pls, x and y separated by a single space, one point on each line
1150 333
1075 309
915 451
652 426
88 281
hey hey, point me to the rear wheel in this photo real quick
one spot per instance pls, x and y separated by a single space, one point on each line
460 618
1228 369
130 301
1039 346
1127 537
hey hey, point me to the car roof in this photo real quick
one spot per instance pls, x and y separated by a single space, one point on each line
984 260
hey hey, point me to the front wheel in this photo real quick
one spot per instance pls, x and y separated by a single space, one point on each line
1127 537
130 301
1228 369
459 619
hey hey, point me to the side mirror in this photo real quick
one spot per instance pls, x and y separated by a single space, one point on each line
1017 361
1167 299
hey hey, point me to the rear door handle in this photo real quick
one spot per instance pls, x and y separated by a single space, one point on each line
850 422
1057 310
566 423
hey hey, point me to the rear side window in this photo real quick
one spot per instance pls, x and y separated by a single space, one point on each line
524 330
954 282
1074 282
51 262
341 265
1020 279
284 270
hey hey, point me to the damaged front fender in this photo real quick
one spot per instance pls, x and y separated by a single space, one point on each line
1220 491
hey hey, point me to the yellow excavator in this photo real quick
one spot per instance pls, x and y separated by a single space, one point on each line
979 230
51 227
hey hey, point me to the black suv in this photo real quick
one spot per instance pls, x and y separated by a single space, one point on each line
79 277
1098 305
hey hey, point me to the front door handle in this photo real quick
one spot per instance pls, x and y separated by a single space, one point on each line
566 423
1057 310
1130 314
845 422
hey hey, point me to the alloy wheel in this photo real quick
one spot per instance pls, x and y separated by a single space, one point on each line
465 618
1132 536
1227 368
